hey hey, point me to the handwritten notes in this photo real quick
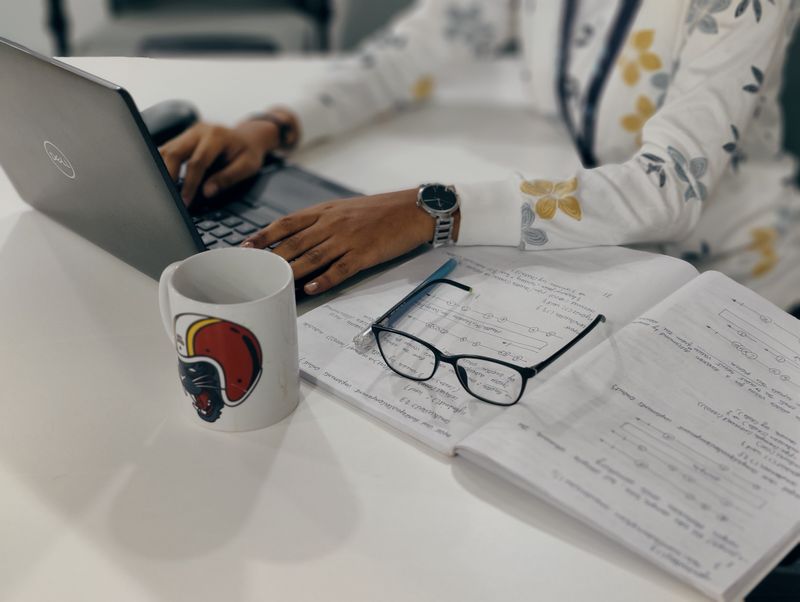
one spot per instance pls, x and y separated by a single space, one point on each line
679 436
524 307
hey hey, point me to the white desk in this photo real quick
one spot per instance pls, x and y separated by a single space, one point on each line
107 493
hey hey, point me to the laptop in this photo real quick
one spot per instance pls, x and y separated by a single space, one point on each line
75 148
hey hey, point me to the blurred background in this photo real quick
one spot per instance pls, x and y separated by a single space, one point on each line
239 28
192 27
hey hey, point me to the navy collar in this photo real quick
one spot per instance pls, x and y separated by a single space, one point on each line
584 137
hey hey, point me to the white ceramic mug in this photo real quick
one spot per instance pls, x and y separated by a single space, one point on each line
231 314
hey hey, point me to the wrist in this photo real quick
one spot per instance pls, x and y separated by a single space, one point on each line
422 224
285 123
261 135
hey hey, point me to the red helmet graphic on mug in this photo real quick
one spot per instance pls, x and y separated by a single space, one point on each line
220 362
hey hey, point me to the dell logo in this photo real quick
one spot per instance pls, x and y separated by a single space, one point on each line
59 159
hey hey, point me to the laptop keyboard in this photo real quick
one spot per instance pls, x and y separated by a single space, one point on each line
231 225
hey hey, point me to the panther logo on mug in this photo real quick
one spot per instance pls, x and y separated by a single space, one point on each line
219 362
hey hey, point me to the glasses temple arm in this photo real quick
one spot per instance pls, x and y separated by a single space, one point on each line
415 294
547 361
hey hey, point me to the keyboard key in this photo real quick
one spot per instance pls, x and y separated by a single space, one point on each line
207 225
237 207
234 239
261 216
245 229
197 220
217 216
208 239
252 201
231 221
217 244
221 231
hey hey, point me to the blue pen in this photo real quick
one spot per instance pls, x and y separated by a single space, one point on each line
363 339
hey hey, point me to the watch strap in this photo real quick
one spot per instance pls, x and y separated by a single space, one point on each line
443 231
444 221
286 138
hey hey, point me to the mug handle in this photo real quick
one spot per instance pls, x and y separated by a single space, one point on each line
163 298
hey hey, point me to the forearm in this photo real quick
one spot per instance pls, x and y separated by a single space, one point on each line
400 66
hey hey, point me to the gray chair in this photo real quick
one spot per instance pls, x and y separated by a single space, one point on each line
356 20
790 99
196 27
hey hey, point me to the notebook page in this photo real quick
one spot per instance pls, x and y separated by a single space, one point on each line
679 436
524 306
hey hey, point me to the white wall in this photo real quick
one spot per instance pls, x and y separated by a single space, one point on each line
23 21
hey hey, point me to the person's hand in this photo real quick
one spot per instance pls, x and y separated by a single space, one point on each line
243 148
347 235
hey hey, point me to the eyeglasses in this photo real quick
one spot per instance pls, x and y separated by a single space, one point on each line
488 379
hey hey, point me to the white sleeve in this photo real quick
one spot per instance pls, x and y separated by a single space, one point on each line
400 66
658 194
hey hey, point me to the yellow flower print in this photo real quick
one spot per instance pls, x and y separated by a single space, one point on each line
640 43
554 196
764 244
422 88
634 122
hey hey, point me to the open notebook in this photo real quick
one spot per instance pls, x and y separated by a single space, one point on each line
673 428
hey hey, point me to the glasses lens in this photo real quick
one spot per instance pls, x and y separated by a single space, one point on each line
406 356
489 380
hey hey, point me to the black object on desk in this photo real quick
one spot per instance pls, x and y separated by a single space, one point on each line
782 584
168 119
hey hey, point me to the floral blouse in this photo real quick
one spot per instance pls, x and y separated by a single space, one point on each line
672 108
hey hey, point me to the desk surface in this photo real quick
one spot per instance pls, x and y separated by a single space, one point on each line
108 493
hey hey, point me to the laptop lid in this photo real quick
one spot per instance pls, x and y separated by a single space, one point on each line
76 149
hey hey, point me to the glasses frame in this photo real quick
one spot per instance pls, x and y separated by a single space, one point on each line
526 372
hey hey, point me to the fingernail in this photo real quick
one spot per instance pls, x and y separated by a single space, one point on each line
311 287
210 189
247 244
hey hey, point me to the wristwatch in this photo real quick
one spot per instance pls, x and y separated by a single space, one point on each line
287 136
440 202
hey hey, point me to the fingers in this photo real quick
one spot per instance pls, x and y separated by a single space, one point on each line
177 150
346 266
315 258
241 168
304 241
281 229
208 149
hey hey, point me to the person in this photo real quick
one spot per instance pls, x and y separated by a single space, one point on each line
672 108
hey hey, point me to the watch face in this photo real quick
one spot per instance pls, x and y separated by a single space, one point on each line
438 198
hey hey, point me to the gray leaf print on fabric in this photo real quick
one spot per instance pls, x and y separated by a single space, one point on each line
690 171
680 163
697 256
527 215
660 81
534 237
530 235
732 148
654 164
326 100
701 15
584 35
698 167
467 25
758 75
757 10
